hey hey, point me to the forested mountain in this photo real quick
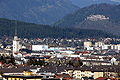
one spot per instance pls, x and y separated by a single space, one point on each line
30 30
36 11
84 3
103 17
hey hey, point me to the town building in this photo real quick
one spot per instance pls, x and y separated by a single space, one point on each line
16 45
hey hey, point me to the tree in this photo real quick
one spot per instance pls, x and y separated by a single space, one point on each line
75 62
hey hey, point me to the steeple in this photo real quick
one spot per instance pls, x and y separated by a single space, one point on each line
15 34
15 28
16 41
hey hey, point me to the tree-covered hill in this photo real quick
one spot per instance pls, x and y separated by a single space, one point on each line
108 18
30 30
36 11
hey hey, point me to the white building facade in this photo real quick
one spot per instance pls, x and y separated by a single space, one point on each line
16 45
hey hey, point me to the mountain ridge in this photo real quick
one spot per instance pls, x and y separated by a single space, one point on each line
30 30
36 11
107 10
85 3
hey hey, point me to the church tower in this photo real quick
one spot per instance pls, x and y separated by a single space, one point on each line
16 44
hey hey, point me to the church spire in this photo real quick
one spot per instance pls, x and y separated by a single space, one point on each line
15 34
15 28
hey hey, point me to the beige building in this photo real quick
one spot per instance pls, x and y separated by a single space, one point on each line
98 74
79 74
99 44
87 44
87 73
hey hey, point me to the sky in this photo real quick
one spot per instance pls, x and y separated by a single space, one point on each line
116 0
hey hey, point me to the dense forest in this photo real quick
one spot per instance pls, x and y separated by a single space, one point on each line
31 30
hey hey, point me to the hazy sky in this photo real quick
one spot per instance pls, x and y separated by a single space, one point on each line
116 0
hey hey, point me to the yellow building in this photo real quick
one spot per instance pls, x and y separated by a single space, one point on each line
98 74
26 75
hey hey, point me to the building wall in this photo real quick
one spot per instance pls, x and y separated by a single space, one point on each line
99 44
20 79
16 44
87 44
87 73
79 74
98 74
39 47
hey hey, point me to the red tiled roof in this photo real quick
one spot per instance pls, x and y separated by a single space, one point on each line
104 78
64 76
